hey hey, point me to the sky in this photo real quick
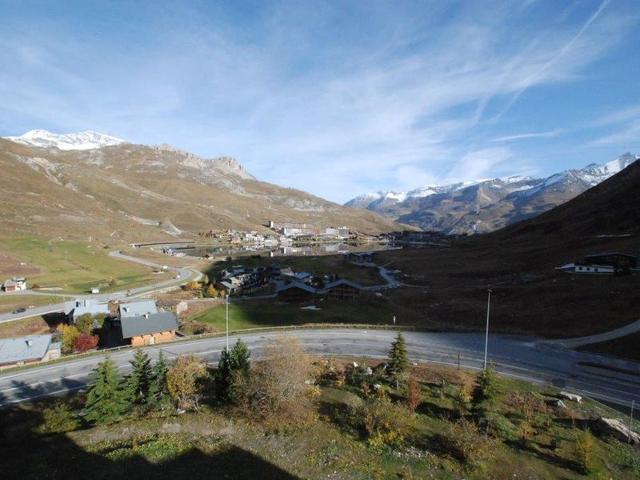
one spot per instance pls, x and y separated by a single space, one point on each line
335 98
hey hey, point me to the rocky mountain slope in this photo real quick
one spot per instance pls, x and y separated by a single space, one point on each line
82 185
519 264
487 205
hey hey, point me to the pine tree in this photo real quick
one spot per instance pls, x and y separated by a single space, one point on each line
239 357
231 363
484 394
104 402
398 360
135 387
158 387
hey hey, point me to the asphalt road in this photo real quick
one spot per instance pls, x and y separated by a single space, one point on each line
185 275
513 356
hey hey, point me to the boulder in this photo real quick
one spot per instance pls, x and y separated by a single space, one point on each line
616 428
570 396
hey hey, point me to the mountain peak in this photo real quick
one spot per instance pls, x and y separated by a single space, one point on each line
86 140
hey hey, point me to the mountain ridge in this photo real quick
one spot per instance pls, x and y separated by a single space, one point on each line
486 205
136 192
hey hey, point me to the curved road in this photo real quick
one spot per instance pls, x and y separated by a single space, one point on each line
185 274
581 372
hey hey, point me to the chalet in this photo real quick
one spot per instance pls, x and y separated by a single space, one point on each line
296 292
79 307
137 309
621 262
342 290
610 263
15 285
28 349
149 328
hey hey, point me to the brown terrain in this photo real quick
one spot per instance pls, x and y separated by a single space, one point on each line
518 263
136 192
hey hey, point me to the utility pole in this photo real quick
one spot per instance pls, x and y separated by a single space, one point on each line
631 421
486 335
226 316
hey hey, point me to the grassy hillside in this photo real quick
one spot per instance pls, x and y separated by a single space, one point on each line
448 286
71 266
135 192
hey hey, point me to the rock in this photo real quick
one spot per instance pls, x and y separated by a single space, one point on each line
561 404
616 428
369 371
571 396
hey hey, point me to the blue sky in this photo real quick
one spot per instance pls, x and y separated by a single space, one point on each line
336 98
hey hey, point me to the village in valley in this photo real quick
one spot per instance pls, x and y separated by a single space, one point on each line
263 268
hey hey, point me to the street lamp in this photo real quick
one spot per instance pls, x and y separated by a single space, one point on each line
486 336
227 320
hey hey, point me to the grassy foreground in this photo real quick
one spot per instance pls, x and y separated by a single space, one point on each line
220 442
259 313
71 266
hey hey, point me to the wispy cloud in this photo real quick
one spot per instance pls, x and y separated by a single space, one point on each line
525 136
299 95
629 134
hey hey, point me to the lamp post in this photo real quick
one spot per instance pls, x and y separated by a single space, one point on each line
486 335
226 319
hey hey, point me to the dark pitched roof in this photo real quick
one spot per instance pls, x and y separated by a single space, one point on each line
298 285
342 281
145 325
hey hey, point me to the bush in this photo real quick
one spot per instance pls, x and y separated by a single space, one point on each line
414 394
584 446
85 342
58 419
466 443
185 381
280 390
68 335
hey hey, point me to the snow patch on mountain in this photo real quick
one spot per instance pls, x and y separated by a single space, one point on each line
590 176
87 140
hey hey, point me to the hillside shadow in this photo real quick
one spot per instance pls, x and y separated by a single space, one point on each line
27 455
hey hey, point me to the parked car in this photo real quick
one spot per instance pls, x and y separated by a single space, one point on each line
20 310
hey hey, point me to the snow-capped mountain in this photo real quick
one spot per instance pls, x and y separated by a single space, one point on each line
486 205
86 140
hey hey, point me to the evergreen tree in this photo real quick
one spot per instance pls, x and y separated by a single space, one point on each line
239 357
158 391
135 387
484 394
104 402
398 360
231 363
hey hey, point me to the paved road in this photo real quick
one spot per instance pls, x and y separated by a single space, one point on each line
600 337
513 356
185 275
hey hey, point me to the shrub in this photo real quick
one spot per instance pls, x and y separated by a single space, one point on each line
185 381
466 443
85 342
58 419
68 335
84 323
280 389
584 451
414 394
